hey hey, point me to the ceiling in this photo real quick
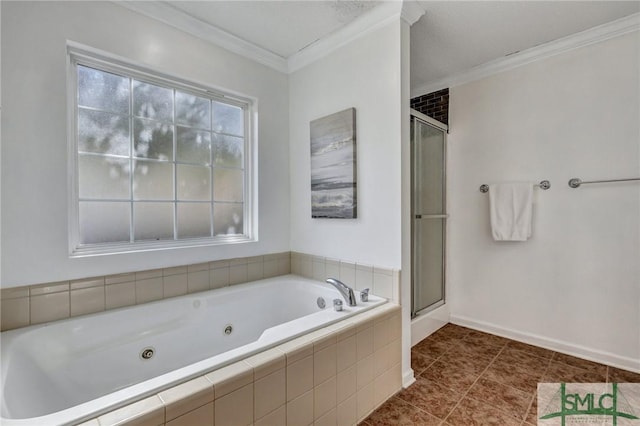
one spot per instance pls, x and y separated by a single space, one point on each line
451 38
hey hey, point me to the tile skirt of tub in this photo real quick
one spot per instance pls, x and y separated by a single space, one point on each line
335 375
37 304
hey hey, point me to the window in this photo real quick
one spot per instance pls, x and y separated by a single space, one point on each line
158 163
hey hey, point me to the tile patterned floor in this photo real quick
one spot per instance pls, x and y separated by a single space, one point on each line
466 377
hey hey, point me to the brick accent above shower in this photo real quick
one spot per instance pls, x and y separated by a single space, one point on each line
434 105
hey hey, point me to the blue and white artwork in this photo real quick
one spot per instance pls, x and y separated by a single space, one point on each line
333 166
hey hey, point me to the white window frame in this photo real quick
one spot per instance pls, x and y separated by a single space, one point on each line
87 56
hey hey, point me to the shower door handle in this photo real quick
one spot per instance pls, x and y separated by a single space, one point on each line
432 216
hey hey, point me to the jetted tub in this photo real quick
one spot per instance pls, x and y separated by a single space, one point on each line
72 370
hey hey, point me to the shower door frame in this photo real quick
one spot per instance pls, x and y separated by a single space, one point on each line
417 116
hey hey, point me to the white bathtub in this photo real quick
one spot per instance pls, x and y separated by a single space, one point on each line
72 370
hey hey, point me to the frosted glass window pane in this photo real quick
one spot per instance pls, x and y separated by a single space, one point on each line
227 185
194 220
152 180
228 119
151 101
103 132
193 146
194 183
227 219
103 90
193 111
103 177
152 139
153 221
104 222
228 151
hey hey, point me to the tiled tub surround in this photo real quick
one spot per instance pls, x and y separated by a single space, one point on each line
336 375
381 281
37 304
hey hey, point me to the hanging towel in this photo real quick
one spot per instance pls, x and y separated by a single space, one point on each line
511 206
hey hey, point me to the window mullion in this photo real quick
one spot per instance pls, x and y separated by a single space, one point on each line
175 168
132 229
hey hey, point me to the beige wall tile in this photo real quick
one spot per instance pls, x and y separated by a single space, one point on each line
196 267
300 410
364 277
176 270
347 414
347 329
202 416
275 418
381 333
297 349
299 377
346 353
318 269
382 388
119 278
348 273
49 307
324 340
382 286
329 419
255 259
324 397
332 268
364 401
396 286
324 364
86 283
38 290
381 360
364 343
270 268
87 301
14 293
235 408
230 378
395 352
147 412
364 371
15 313
284 265
266 362
347 381
255 271
120 295
238 261
219 277
149 290
186 397
145 275
269 393
238 274
306 266
174 285
198 281
218 264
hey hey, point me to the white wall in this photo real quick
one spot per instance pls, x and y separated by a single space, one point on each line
575 285
365 74
34 134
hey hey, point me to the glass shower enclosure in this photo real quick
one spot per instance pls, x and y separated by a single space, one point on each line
429 215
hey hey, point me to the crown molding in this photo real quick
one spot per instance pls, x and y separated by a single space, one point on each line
372 20
411 11
176 18
575 41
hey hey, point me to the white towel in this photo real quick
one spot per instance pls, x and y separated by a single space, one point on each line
511 206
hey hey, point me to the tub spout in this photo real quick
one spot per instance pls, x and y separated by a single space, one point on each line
345 291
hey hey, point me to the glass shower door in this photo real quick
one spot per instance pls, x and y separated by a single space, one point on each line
429 213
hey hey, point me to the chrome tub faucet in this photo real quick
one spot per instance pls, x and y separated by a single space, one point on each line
345 291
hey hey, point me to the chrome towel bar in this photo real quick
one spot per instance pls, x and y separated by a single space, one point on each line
576 182
545 184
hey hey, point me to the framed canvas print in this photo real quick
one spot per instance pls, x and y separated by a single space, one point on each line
333 166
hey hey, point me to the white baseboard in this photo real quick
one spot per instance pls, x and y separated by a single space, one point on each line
552 344
426 324
408 378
